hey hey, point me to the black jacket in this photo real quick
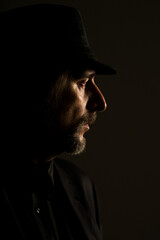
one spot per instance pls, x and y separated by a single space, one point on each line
41 209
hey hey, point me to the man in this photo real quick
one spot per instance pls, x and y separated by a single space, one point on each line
50 99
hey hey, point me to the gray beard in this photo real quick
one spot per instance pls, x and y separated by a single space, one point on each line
69 142
74 146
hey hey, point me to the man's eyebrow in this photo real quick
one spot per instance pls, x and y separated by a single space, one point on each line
88 75
83 74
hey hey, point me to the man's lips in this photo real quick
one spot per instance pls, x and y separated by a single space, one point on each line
85 122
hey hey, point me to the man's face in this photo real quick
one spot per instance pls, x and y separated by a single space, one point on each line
76 105
81 102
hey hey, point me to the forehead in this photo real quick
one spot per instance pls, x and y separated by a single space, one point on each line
87 73
77 74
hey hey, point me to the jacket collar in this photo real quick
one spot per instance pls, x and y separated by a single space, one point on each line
79 204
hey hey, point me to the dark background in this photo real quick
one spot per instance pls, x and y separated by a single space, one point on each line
122 155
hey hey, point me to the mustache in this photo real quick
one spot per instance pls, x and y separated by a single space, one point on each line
87 118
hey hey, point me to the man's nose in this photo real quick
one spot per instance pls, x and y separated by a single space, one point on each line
96 101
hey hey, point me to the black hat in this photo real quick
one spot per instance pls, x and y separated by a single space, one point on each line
49 33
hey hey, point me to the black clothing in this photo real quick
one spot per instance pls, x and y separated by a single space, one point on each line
47 207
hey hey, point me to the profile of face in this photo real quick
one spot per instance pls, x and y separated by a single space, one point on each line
79 99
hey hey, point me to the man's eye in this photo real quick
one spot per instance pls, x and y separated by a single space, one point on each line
82 84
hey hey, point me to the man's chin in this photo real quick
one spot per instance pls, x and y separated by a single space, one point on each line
75 145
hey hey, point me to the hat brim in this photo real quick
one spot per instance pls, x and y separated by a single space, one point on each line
93 64
101 68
